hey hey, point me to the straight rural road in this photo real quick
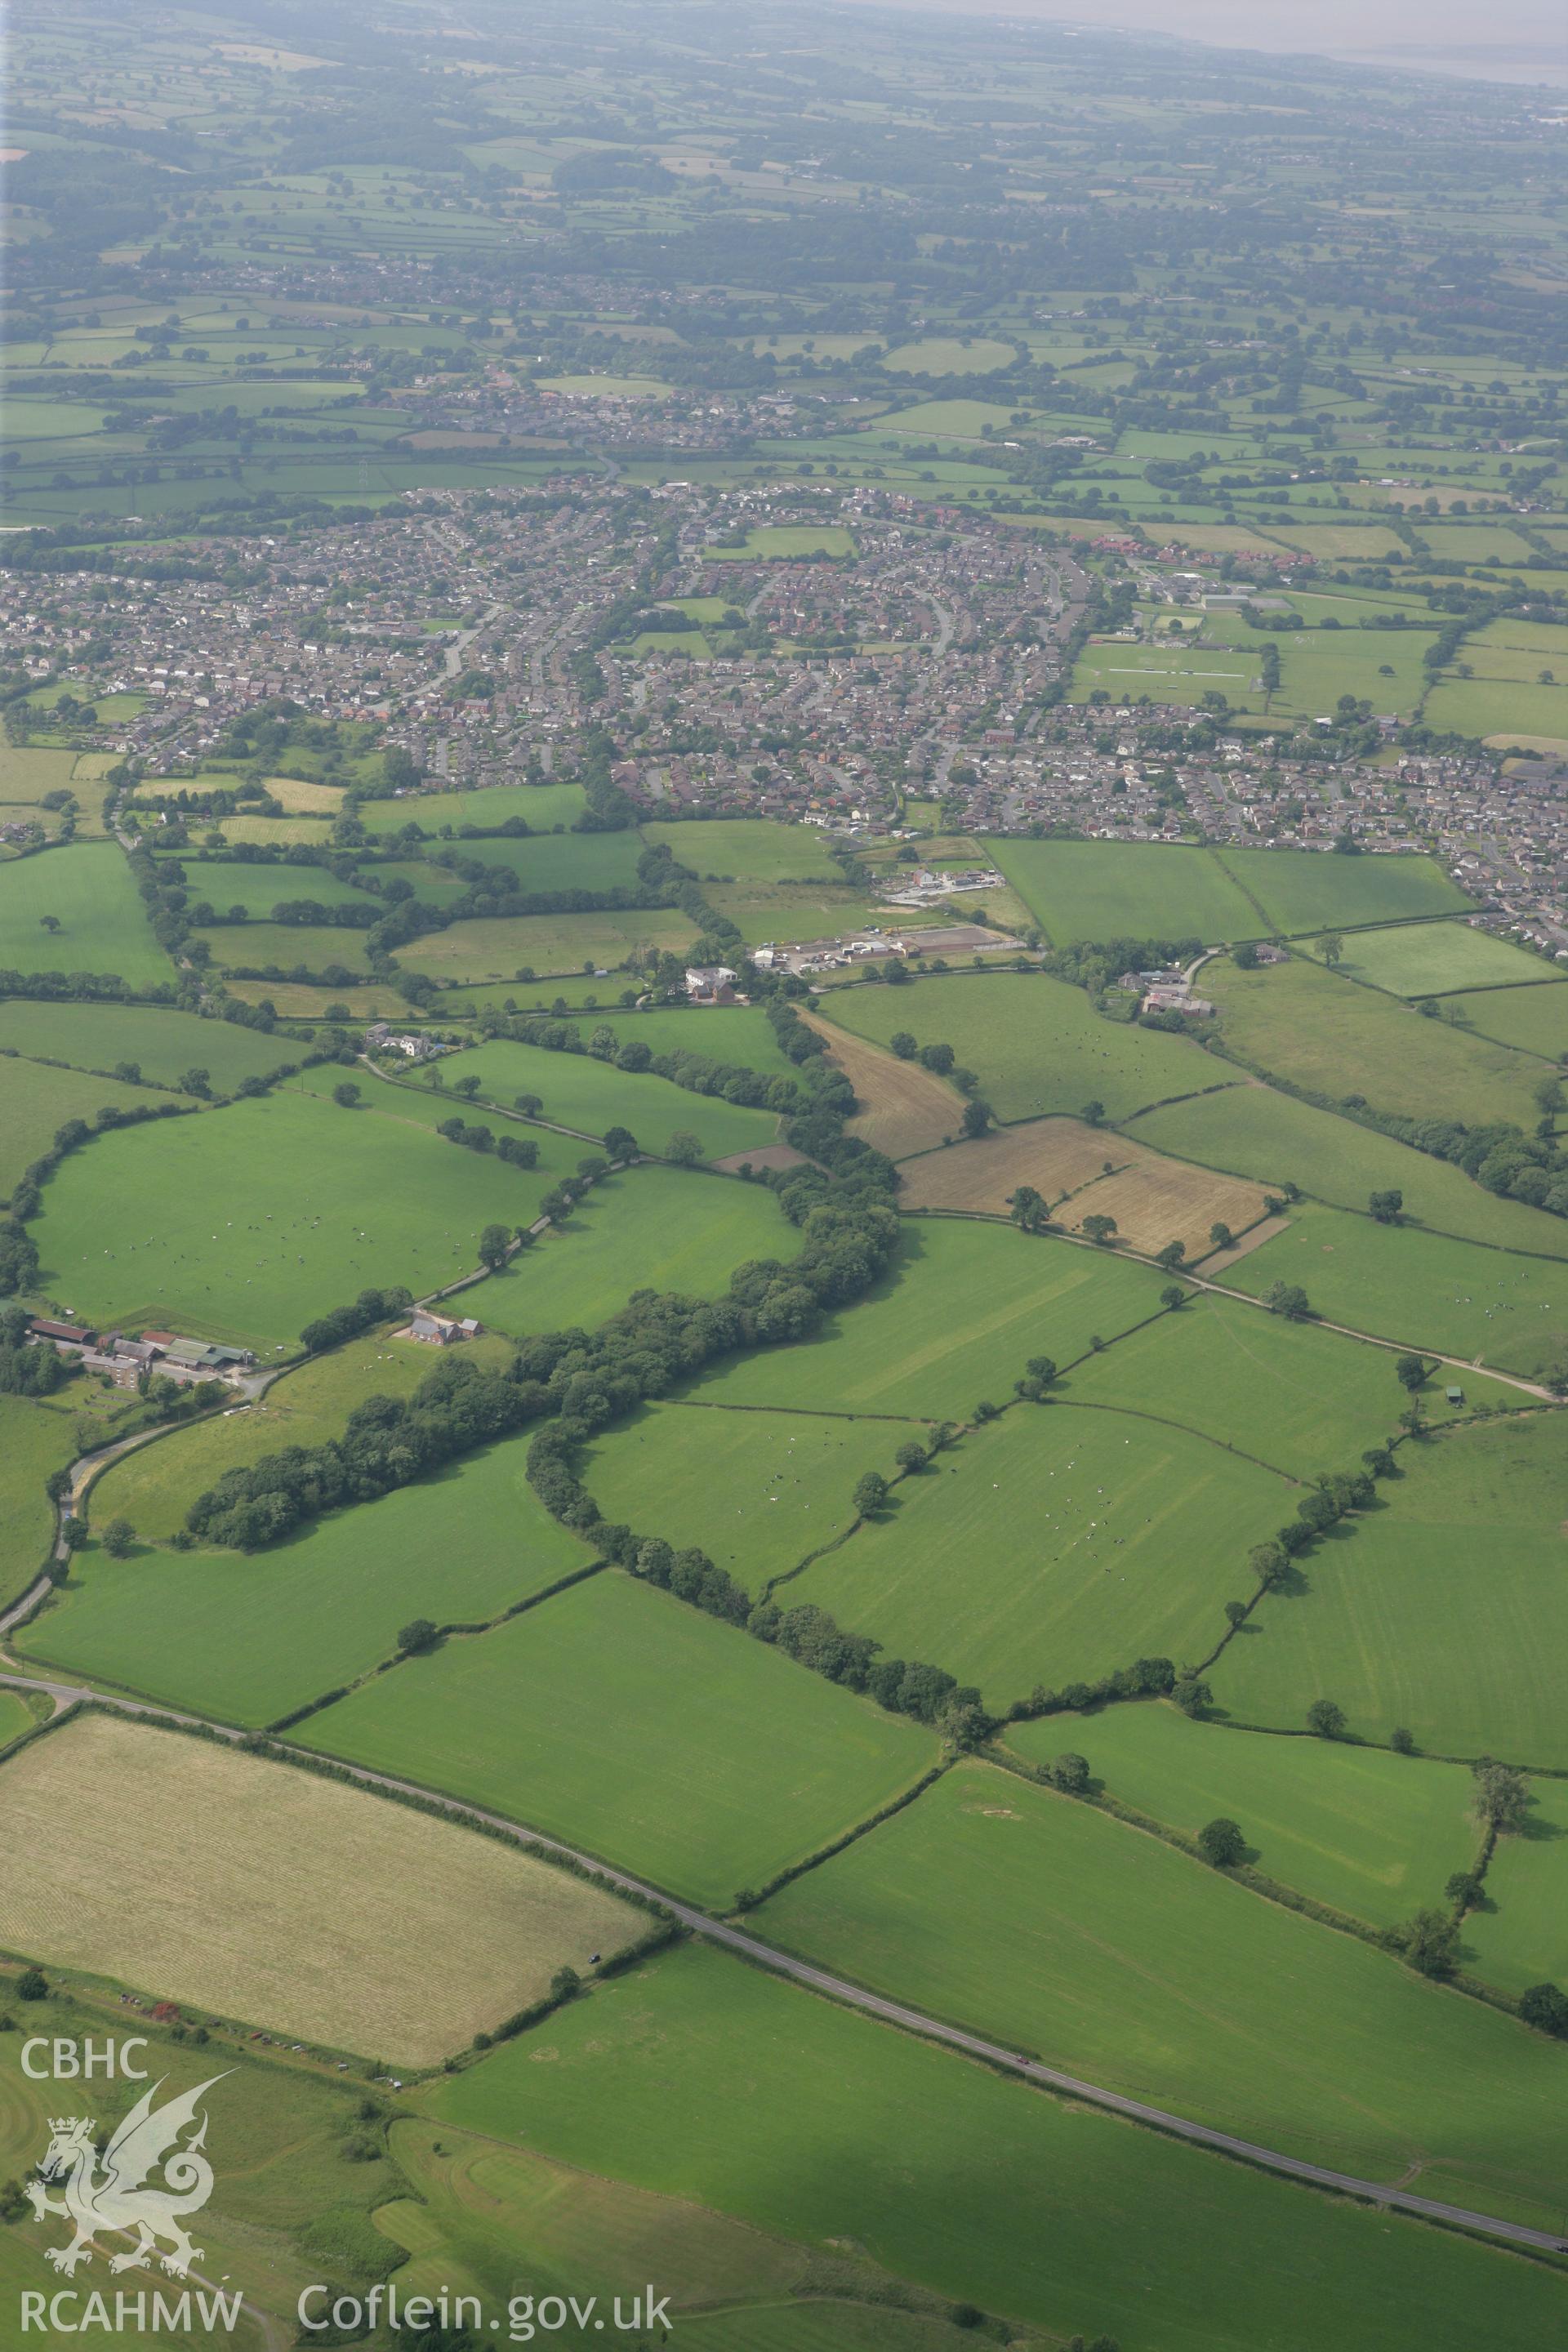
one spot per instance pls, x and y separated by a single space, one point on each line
854 1996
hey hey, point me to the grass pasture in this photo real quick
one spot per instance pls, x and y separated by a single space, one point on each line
1373 1835
1037 1045
968 2184
1446 1612
738 1034
540 806
1259 1132
224 883
561 861
166 1225
779 542
1436 958
1305 890
1082 1172
621 1720
1125 890
327 1901
954 1319
35 1437
1520 1937
495 949
746 849
1141 1969
580 1091
652 1228
260 946
1053 1548
36 1099
250 1638
87 890
1298 1021
1532 1020
162 1044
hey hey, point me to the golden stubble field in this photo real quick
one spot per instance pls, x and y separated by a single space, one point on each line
1080 1171
270 1894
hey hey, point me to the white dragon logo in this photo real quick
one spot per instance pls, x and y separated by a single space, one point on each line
116 2199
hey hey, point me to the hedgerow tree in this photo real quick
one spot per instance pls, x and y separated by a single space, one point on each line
1221 1843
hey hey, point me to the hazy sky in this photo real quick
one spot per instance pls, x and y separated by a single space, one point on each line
1514 40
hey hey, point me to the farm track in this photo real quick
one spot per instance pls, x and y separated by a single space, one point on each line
1386 2196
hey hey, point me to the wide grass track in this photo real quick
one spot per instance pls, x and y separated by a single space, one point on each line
1446 1613
622 1720
1372 1833
978 2188
86 890
289 1900
955 1318
1053 1549
1037 1045
1143 1970
250 1638
244 1223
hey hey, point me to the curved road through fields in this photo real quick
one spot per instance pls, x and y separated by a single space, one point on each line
853 1995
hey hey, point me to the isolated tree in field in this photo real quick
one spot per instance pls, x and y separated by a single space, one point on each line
346 1094
494 1243
1545 2006
1171 1257
1221 1843
904 1045
1331 948
1286 1299
1500 1800
50 923
1410 1371
415 1636
684 1148
1027 1209
1173 1297
912 1456
871 1492
1099 1228
119 1538
1387 1207
1220 1235
976 1118
1325 1719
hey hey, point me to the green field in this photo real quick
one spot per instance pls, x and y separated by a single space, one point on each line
626 1722
746 849
1053 1549
1371 1833
561 861
579 1091
1480 1306
1304 1400
1534 1020
1298 1021
16 1717
540 806
1125 890
250 1637
954 1319
1520 1937
225 883
264 947
741 1034
1256 1131
972 2185
495 949
162 1045
652 1228
154 1485
1038 1045
772 913
36 1099
1446 1612
1141 1969
1433 959
756 1491
166 1225
1302 890
88 891
35 1437
772 542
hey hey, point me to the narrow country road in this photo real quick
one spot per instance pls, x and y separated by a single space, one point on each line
854 1996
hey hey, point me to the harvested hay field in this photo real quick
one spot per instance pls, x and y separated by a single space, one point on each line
1153 1200
906 1107
286 1899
